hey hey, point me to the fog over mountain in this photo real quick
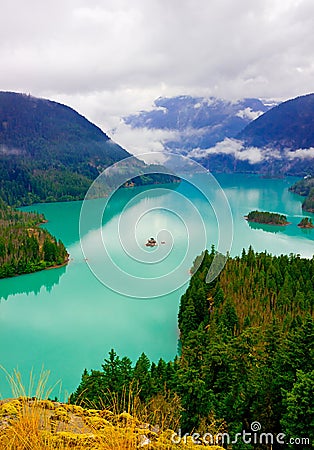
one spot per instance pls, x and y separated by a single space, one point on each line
247 135
279 142
196 122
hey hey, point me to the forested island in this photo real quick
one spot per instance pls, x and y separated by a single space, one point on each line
246 353
305 188
306 222
24 246
267 218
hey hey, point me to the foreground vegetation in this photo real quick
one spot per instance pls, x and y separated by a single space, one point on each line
24 246
246 352
267 218
34 424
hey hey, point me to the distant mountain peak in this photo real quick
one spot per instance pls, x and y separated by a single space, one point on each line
200 122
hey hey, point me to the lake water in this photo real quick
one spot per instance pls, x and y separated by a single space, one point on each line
68 319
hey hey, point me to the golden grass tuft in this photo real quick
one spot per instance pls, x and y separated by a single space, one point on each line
37 423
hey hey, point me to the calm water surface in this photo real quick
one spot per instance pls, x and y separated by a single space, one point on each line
65 319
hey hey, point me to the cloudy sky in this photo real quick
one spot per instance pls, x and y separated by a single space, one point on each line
109 58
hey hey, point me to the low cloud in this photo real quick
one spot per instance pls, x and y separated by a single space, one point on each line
4 150
248 113
142 140
232 147
301 153
253 155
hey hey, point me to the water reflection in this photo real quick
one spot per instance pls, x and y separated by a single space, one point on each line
31 283
267 228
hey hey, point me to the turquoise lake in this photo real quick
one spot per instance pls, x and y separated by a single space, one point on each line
67 319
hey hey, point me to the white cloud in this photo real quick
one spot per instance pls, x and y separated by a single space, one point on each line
248 113
110 58
253 155
4 150
142 140
237 149
302 153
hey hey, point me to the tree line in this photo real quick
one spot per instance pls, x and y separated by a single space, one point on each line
24 246
245 352
267 218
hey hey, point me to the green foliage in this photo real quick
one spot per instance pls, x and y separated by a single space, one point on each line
244 339
298 419
267 218
305 187
24 246
118 379
308 204
155 177
255 335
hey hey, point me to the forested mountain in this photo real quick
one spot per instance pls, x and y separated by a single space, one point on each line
289 125
197 122
246 353
48 151
278 143
24 246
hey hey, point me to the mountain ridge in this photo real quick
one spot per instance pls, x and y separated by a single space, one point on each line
48 151
288 125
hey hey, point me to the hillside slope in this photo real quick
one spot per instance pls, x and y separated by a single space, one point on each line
289 125
48 151
305 187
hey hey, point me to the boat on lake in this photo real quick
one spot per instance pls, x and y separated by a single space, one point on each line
151 242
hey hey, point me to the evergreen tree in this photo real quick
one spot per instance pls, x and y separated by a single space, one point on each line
298 419
142 377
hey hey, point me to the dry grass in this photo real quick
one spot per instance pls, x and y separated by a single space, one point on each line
35 423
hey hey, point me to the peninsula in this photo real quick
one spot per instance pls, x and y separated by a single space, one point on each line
25 247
